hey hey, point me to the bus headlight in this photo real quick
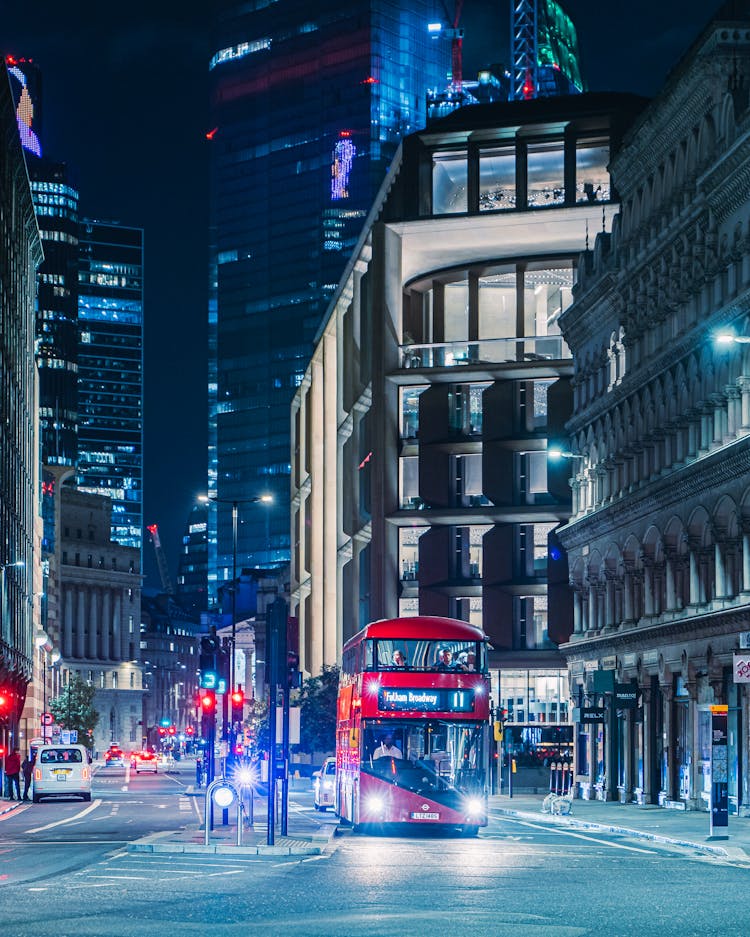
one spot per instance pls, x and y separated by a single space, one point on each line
474 808
375 804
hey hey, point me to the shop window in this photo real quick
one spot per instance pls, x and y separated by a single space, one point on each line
449 179
592 175
546 174
497 179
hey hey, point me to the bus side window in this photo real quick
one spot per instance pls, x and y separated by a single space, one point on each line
368 661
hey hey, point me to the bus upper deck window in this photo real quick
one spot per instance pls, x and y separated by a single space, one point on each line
368 661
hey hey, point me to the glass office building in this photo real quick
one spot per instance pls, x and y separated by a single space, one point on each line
308 106
110 363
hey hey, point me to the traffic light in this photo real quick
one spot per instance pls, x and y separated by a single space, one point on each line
293 673
208 663
189 730
208 702
238 705
6 705
171 730
162 730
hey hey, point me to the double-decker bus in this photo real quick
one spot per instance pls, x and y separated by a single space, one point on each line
412 735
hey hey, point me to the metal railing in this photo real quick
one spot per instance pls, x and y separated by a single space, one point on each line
486 351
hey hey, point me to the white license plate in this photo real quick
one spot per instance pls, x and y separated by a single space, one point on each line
425 816
61 777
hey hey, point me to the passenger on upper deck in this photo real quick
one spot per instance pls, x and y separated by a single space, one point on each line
444 660
399 660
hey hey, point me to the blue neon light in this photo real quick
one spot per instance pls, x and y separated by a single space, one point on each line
341 166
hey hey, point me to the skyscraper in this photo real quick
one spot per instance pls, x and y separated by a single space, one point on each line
309 103
110 362
56 207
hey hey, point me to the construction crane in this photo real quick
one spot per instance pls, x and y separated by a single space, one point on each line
456 36
161 559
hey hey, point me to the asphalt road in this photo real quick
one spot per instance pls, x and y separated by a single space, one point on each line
519 878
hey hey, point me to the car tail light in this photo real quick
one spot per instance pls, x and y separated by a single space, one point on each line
37 774
85 774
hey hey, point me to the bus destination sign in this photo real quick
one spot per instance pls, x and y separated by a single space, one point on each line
424 699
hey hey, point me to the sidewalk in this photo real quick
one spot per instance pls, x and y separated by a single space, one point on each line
675 827
306 835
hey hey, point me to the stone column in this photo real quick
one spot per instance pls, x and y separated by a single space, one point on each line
627 612
94 625
67 643
649 783
648 587
117 627
745 561
744 385
669 573
106 624
720 570
734 409
80 652
609 602
695 585
593 624
668 742
577 609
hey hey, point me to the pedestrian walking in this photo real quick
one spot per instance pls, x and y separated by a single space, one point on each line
13 772
198 773
27 769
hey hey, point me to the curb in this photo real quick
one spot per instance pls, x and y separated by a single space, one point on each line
156 843
9 807
721 851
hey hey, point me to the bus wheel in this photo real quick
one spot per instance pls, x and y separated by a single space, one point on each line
469 832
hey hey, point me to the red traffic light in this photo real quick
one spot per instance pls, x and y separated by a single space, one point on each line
238 698
162 730
189 730
172 730
208 701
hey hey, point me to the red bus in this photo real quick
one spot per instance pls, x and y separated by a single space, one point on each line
412 734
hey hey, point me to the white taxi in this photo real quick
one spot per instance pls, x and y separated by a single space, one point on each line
61 771
323 785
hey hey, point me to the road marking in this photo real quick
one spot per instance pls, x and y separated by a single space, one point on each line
77 816
586 837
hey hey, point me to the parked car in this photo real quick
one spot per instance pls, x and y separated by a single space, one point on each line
61 771
324 785
143 761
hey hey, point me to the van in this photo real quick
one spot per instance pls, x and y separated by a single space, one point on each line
62 771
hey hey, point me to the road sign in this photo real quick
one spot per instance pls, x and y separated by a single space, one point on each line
47 719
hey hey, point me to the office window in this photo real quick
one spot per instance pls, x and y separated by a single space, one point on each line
497 179
409 482
592 175
546 174
449 179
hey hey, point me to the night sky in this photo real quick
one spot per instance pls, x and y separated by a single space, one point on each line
125 105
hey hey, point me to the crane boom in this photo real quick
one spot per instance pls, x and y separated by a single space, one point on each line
161 559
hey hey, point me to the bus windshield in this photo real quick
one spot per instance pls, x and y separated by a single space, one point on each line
402 654
437 758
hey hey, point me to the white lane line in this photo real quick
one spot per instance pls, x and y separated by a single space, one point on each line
77 816
583 836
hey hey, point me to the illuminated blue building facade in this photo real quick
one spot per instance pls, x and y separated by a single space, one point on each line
110 363
308 105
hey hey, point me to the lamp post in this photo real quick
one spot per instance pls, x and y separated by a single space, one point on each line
235 502
47 650
3 567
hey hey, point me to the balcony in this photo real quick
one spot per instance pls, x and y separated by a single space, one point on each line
487 351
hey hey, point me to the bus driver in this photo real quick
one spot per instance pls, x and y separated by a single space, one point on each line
387 749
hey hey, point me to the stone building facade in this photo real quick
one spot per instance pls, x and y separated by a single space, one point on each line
659 540
100 603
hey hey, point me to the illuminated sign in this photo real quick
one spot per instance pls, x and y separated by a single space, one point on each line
424 699
24 99
341 166
239 52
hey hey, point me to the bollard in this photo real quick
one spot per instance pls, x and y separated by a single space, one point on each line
565 778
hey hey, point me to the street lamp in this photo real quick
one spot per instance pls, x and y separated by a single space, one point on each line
43 644
3 567
729 338
556 454
235 502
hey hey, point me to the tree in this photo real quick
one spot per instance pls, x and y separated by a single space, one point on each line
317 702
73 709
